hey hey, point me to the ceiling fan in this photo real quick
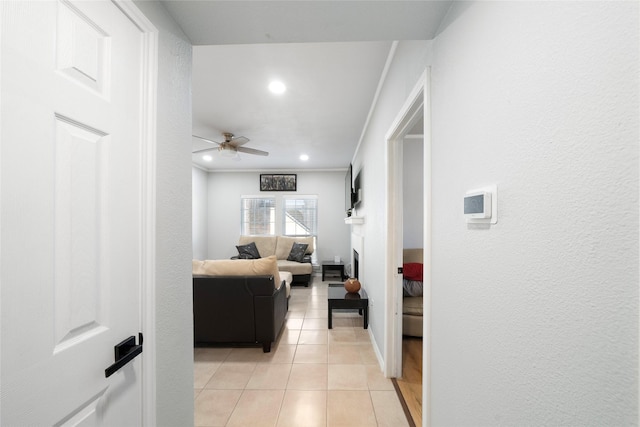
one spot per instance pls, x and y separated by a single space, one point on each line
231 146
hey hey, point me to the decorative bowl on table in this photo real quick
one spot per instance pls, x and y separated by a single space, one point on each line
352 285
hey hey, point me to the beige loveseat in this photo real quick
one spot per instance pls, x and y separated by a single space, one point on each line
280 246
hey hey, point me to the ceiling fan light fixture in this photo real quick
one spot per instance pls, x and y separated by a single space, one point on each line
226 152
277 87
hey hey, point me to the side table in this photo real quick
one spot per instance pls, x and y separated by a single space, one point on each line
338 297
333 266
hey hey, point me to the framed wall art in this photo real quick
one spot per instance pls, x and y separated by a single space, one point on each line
278 182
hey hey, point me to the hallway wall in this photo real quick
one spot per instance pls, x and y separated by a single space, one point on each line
535 319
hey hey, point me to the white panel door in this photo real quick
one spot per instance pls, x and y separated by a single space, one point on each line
70 214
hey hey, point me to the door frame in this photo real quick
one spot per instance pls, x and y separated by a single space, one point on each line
418 100
148 138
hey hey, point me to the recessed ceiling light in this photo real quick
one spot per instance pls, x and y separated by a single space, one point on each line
277 87
207 158
304 157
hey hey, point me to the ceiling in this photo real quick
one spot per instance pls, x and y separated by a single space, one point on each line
329 54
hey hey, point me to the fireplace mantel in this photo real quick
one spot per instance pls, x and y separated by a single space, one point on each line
354 220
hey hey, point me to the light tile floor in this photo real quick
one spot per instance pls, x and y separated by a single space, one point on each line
312 376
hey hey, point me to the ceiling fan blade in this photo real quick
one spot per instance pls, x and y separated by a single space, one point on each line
238 141
252 151
205 139
205 149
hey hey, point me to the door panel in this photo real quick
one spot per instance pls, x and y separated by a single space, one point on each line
80 188
70 188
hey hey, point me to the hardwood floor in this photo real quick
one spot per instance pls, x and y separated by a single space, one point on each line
410 385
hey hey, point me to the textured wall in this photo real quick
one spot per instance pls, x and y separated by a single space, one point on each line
535 319
174 314
199 226
413 193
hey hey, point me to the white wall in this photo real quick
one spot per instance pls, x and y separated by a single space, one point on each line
173 343
199 226
410 61
226 188
535 319
413 192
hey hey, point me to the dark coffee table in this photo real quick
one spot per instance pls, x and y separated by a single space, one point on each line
339 298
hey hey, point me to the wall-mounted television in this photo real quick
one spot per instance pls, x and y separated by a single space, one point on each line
357 190
348 191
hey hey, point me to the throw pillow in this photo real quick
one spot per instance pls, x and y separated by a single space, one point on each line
249 251
297 252
412 271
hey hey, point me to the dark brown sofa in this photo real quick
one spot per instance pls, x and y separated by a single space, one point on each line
238 310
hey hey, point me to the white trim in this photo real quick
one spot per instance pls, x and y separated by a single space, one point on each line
374 103
393 293
148 214
426 319
418 100
376 348
267 171
197 166
351 220
2 18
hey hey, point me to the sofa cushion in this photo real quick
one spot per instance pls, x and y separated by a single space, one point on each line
248 251
284 245
266 244
295 267
197 267
297 252
412 305
240 267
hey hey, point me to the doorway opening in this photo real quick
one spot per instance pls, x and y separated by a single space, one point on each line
409 228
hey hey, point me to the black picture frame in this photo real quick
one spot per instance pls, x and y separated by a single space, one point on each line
278 182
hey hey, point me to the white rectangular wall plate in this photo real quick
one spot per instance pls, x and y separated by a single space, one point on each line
481 205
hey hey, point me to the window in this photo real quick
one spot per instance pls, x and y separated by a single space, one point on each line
300 216
258 215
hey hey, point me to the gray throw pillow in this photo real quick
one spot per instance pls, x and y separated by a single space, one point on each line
297 252
248 251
